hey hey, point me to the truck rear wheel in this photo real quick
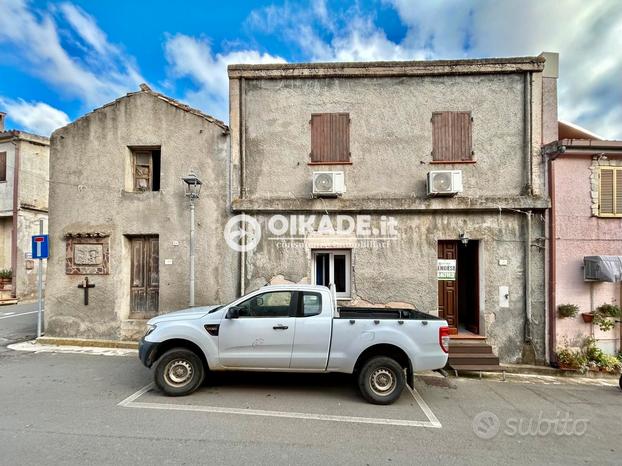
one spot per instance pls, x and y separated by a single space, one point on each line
179 372
381 380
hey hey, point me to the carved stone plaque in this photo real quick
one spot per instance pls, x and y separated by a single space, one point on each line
87 254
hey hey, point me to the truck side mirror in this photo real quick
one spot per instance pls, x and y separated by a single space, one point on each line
233 313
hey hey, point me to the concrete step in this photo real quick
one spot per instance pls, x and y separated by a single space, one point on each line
484 359
469 348
477 368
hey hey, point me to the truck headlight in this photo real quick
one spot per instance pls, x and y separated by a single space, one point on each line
150 329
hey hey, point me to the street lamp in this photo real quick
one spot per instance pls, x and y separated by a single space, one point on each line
192 189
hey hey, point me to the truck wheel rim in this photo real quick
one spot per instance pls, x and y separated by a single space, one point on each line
382 381
178 373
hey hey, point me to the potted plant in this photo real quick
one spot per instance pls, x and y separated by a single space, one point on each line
597 359
604 316
588 317
570 359
5 277
567 310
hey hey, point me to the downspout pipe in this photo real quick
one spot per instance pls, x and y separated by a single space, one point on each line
528 336
528 123
552 317
16 169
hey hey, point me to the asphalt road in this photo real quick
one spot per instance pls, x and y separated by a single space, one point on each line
64 408
18 322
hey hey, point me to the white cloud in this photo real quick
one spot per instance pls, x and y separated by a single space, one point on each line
586 34
101 73
193 58
36 117
326 35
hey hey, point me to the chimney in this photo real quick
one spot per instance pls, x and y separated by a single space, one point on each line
549 97
2 115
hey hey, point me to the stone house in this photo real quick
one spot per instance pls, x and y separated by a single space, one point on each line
434 168
24 169
586 232
120 219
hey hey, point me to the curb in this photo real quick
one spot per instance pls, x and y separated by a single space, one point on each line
88 343
35 347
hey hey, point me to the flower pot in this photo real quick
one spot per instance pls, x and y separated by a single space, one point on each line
587 317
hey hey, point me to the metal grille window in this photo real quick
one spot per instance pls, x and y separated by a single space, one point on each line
610 192
330 138
452 137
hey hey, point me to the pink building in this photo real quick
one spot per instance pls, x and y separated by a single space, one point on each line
585 175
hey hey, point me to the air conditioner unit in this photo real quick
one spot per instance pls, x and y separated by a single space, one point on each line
444 182
602 268
328 184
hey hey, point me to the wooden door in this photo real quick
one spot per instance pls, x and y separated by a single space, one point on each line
145 279
447 289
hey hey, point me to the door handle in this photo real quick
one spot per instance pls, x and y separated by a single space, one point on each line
280 327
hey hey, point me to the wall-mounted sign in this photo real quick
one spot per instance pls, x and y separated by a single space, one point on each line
446 269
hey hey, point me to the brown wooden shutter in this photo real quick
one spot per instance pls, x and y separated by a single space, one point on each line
330 137
451 136
2 166
618 190
607 191
143 169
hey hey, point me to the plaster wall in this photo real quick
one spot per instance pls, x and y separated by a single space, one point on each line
89 159
404 270
6 230
34 174
390 133
391 144
579 234
6 187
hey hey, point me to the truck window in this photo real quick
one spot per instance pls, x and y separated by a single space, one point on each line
271 304
311 304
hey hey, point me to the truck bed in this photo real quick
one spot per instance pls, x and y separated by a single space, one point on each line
346 312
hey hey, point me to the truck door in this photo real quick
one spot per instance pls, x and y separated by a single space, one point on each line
263 335
314 320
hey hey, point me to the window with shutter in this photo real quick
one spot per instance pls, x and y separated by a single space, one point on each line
610 192
2 166
330 138
452 137
145 170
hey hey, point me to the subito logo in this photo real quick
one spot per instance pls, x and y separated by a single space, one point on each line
486 425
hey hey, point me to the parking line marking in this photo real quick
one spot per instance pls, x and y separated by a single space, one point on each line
432 421
17 315
424 407
136 395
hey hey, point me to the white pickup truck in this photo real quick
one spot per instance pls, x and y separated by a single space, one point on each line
295 328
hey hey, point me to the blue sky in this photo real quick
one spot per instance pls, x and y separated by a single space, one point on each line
59 60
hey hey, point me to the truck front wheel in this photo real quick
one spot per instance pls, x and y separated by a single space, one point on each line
179 372
381 380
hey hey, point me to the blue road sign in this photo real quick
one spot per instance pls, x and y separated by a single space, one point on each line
40 247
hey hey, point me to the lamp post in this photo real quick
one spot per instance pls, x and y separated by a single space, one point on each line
192 190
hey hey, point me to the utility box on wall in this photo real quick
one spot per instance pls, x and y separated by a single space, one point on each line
602 268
